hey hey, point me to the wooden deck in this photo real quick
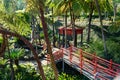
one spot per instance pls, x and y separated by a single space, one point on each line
90 65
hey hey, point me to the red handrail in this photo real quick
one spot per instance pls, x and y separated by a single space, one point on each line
95 63
101 61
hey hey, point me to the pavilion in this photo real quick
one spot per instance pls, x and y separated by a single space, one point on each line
69 31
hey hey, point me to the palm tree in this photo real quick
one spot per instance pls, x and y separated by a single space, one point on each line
39 6
105 7
48 43
91 9
101 24
5 32
71 6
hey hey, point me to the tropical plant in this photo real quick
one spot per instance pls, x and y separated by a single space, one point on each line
17 22
15 54
39 6
13 18
23 72
5 32
105 6
101 24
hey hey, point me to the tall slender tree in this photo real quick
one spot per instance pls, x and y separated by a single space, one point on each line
71 6
91 5
101 24
39 6
105 6
48 43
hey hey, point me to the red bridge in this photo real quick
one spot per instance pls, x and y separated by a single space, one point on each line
88 64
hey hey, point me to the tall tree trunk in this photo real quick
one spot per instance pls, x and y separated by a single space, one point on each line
74 31
5 32
45 29
101 24
73 25
16 62
12 73
90 19
65 38
66 29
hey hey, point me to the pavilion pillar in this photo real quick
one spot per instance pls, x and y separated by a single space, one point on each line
81 38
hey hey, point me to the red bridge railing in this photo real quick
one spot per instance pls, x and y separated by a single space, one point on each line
89 62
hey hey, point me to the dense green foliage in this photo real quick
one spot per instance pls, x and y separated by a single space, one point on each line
28 71
112 41
17 16
15 53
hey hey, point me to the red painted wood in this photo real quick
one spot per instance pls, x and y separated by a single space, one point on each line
69 30
81 59
98 65
110 66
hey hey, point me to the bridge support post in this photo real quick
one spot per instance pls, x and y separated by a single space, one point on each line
81 60
95 67
94 56
63 67
110 65
62 54
70 54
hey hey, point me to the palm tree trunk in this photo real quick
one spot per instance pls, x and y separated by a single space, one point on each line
101 24
89 25
66 29
16 62
5 32
12 70
65 38
48 44
73 25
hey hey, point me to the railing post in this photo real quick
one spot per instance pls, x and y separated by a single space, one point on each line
63 67
62 53
94 55
81 60
95 66
110 66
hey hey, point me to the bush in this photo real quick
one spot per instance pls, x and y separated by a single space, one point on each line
113 50
27 71
23 72
64 76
